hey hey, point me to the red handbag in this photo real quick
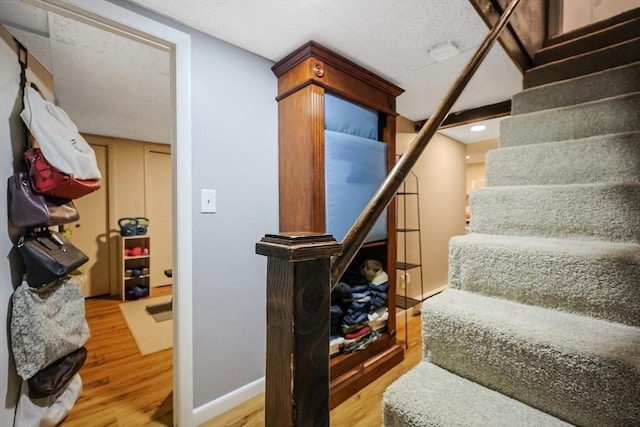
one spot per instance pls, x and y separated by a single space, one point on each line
48 180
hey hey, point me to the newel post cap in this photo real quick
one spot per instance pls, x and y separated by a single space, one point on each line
298 246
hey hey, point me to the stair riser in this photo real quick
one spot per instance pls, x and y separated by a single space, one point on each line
617 34
604 84
612 115
602 59
588 212
585 388
610 158
601 280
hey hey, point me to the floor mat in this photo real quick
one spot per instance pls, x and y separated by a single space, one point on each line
150 336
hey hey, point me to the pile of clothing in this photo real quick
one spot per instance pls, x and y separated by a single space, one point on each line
359 310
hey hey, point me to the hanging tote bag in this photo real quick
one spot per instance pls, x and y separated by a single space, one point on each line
48 256
48 411
58 137
48 180
30 209
47 323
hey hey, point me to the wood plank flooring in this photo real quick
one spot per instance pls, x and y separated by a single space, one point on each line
124 389
120 387
364 409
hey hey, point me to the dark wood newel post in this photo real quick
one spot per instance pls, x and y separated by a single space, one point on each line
298 326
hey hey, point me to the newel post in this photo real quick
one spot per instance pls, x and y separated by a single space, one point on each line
298 326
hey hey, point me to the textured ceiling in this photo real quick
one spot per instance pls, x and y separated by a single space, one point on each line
109 85
389 37
113 86
30 26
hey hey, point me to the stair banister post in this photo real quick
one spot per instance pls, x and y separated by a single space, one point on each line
387 190
298 326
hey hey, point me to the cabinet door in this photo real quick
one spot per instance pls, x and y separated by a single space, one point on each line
90 233
158 208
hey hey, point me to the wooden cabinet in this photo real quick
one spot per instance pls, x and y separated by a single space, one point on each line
135 267
305 78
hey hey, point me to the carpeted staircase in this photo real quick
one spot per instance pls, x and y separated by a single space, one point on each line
541 323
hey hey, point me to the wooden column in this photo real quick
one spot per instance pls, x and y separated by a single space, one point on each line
298 326
305 77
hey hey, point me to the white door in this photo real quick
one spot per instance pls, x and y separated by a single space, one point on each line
158 208
90 233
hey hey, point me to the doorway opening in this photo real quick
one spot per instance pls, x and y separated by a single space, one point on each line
117 20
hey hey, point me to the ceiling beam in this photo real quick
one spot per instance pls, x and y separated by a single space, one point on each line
526 31
473 115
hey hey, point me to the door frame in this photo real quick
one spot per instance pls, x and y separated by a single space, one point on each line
124 22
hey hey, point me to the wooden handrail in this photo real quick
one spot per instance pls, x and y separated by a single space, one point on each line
387 190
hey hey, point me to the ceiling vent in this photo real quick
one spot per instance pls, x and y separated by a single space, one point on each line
443 51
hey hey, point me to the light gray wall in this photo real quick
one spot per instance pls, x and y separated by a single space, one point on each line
235 153
11 137
234 140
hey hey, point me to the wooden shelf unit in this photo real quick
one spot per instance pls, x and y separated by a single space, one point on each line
128 282
304 77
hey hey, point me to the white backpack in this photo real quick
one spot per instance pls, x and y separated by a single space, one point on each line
58 137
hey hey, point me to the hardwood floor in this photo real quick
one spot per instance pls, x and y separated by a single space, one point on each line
124 389
364 409
120 387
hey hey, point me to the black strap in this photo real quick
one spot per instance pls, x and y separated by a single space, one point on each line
23 56
22 60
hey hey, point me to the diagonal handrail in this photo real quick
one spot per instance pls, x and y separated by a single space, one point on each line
387 190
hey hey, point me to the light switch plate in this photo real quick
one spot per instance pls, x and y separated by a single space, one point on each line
207 201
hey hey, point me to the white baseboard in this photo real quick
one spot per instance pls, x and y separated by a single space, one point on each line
222 404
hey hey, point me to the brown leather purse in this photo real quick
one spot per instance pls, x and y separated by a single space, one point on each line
56 376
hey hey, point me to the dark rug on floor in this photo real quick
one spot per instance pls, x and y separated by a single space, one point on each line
161 312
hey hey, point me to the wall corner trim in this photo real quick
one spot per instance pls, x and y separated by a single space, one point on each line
222 404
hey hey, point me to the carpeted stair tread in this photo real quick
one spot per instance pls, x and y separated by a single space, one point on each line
605 37
596 26
607 158
542 316
609 212
582 370
429 396
603 84
586 63
594 278
617 114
